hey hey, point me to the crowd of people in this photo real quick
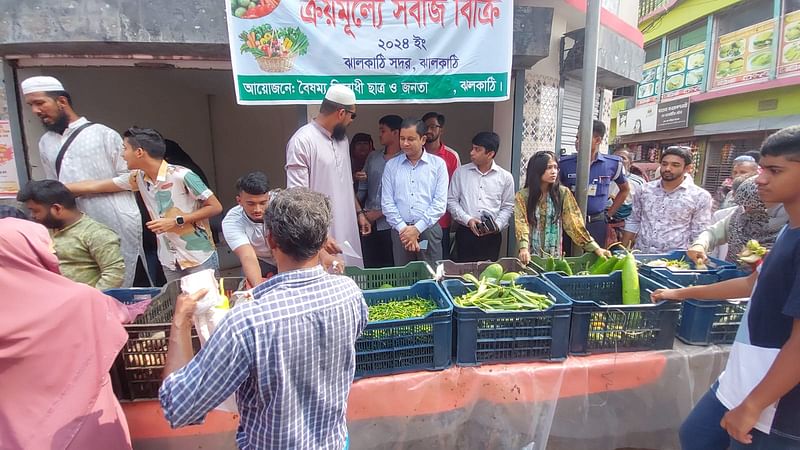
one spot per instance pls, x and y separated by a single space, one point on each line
349 203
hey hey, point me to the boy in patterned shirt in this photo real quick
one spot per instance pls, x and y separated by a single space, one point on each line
178 201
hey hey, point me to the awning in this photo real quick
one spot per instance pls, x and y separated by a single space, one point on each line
657 136
745 125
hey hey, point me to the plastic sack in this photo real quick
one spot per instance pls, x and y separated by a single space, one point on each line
208 314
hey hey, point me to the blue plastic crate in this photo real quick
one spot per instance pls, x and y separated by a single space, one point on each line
602 324
395 346
706 322
646 258
510 336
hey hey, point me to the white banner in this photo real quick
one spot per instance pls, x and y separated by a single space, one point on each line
290 51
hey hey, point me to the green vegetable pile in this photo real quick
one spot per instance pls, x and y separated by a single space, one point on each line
673 264
401 309
491 296
752 252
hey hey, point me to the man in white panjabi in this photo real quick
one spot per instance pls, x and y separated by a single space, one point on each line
318 157
94 153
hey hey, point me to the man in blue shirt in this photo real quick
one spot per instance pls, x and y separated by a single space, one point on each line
604 170
755 403
289 354
414 197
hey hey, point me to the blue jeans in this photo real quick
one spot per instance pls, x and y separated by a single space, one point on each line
763 441
211 263
702 431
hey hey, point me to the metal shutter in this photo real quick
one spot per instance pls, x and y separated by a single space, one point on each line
571 115
719 159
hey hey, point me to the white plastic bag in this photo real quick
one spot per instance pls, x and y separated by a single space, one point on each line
210 311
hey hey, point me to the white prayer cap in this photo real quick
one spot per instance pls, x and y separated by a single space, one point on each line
341 94
41 84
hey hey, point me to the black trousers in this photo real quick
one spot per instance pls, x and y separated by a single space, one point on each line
596 229
377 249
471 248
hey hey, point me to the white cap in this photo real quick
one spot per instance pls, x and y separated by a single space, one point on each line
41 84
341 94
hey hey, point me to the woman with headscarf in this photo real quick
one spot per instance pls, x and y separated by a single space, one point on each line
58 340
749 221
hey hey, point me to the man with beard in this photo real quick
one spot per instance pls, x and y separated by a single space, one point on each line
88 252
434 123
671 212
318 157
74 149
243 228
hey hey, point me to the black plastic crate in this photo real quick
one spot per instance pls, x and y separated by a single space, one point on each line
457 270
395 346
136 373
484 337
706 322
602 324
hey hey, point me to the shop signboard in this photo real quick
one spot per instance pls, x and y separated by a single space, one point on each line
685 70
655 117
648 89
673 115
291 51
745 55
789 62
641 119
9 182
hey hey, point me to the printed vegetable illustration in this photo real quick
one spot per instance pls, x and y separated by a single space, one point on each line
697 60
728 68
252 9
731 50
274 49
760 61
791 54
675 82
762 40
694 77
792 31
676 65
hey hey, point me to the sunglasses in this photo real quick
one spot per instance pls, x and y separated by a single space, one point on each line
352 113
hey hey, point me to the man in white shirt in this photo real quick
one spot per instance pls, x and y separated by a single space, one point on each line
94 153
243 228
481 200
318 157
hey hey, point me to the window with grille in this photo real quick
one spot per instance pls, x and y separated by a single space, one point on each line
720 156
687 38
749 13
652 52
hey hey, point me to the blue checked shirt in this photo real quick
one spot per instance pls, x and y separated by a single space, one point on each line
290 357
414 194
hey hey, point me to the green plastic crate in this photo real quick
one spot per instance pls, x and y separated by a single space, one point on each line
577 263
369 279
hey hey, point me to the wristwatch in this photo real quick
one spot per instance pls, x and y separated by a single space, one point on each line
179 220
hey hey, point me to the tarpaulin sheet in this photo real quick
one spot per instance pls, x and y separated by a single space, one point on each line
624 400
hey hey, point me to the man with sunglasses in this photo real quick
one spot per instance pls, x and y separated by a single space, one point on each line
318 157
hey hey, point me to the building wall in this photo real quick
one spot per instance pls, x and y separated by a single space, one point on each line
683 13
197 109
745 106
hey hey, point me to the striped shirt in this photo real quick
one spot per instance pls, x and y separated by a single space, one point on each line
289 355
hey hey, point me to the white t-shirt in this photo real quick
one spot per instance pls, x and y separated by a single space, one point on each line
239 230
